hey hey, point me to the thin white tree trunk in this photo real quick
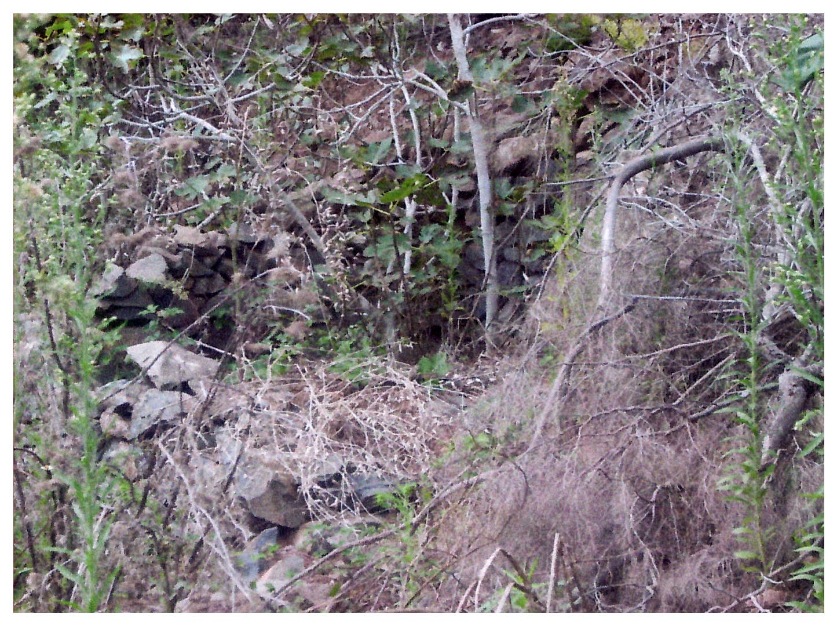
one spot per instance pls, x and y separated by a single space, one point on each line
480 145
410 202
628 171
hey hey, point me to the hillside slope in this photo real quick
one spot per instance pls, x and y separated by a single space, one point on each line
437 313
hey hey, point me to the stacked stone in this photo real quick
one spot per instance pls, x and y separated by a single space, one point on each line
518 262
186 271
190 270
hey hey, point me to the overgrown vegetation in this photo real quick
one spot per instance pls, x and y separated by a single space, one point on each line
418 282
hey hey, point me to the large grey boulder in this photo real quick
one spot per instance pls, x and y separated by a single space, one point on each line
151 269
114 284
170 364
271 493
155 406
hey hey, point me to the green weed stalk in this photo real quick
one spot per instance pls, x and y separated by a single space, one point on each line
59 213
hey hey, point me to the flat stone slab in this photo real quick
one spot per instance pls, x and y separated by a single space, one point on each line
202 242
151 269
271 494
114 284
155 407
171 364
140 298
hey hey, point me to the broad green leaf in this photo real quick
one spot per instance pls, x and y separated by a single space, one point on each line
89 138
214 203
62 24
436 365
298 49
463 146
134 27
407 170
376 151
122 56
238 197
808 61
239 78
192 187
109 22
59 54
435 71
224 171
405 189
313 79
429 232
520 103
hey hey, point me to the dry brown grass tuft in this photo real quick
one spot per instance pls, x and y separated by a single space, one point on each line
626 470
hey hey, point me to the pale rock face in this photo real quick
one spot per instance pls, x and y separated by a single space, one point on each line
151 269
270 493
114 283
513 151
171 364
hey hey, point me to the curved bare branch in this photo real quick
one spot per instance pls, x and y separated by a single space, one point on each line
628 171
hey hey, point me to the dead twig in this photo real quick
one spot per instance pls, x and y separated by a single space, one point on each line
369 540
559 387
